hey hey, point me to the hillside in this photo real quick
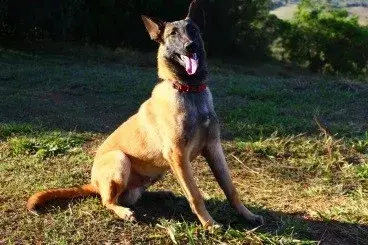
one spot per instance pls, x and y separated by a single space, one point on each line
286 9
297 147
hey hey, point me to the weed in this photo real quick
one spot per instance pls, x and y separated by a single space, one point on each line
361 144
9 129
46 145
362 171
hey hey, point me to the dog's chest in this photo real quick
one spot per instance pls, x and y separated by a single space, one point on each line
198 116
198 119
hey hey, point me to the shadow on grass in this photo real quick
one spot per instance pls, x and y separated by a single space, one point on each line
60 94
153 207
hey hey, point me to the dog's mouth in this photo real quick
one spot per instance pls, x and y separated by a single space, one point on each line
190 62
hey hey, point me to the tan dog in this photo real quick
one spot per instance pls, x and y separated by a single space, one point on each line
170 129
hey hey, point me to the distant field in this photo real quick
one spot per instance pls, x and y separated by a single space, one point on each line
287 12
362 12
296 144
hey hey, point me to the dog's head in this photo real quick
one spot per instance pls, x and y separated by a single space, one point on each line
181 53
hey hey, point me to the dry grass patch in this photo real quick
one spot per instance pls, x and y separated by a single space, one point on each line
311 186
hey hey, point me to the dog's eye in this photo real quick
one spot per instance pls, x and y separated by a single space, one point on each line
173 32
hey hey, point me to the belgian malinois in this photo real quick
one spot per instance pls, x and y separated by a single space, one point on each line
175 125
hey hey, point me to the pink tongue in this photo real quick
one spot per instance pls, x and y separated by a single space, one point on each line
191 65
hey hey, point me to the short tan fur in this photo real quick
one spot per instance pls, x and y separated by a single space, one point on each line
169 130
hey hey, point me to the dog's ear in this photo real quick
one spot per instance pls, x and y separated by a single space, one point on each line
155 27
196 14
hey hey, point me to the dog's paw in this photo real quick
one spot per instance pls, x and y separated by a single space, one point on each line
212 228
126 214
131 217
256 220
253 219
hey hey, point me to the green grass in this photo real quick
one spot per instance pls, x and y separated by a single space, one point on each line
297 147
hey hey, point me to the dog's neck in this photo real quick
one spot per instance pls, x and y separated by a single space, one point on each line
184 87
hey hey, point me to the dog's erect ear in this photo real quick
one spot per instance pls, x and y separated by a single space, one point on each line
155 27
196 14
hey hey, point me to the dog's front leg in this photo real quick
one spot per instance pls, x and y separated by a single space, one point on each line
180 165
214 155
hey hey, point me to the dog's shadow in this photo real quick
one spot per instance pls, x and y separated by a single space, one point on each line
155 206
152 207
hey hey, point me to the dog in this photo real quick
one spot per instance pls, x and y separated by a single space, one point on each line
175 125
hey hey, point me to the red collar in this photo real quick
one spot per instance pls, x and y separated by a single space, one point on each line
187 88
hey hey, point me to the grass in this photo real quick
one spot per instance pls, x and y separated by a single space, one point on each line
297 147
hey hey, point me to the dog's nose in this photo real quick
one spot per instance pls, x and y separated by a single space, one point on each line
190 47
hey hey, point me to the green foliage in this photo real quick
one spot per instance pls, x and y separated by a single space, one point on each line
239 27
234 27
321 154
9 129
362 171
361 145
326 39
46 145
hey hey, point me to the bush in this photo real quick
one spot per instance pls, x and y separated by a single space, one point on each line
233 27
239 28
326 39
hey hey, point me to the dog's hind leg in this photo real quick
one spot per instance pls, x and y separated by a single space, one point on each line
111 173
130 197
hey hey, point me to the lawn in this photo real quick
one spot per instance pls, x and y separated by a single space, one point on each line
296 144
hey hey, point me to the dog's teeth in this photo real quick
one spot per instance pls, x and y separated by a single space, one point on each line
182 57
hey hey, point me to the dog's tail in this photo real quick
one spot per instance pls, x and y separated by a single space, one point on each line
40 198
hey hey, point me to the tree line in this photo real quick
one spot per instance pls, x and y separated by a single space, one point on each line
234 28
